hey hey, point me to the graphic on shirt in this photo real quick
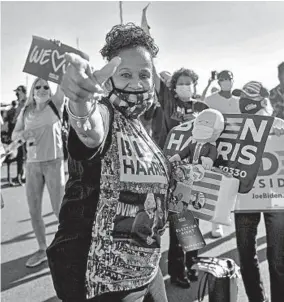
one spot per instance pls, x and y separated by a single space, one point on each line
125 247
138 163
147 220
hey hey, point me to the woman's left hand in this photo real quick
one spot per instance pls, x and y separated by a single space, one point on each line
80 83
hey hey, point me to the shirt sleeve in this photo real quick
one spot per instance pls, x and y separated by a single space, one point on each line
80 151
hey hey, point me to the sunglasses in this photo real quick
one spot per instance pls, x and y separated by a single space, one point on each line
44 87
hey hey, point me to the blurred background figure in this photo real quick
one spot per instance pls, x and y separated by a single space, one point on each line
21 93
39 126
254 99
223 100
226 103
277 94
11 113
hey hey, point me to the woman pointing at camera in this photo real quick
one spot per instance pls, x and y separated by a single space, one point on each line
103 250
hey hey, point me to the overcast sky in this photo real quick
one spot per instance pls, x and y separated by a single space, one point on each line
245 37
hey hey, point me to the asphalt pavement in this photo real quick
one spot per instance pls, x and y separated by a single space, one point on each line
21 284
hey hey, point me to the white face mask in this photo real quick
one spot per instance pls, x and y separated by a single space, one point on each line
42 99
200 132
184 91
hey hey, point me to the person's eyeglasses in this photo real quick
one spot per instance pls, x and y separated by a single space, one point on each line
44 87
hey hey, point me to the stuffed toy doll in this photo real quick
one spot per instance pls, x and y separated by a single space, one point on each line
207 128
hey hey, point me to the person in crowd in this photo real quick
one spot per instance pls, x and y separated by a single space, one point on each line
254 99
178 101
10 120
40 128
226 103
176 95
11 117
223 100
21 93
2 158
277 94
101 251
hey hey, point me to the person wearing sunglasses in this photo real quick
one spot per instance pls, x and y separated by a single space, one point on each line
39 126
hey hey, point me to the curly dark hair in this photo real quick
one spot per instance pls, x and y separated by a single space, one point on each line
185 72
127 36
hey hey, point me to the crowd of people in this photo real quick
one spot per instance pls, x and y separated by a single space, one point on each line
107 247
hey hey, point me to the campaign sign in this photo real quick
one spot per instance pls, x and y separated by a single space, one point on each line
240 146
46 59
267 193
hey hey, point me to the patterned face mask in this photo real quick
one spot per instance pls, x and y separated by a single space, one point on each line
131 104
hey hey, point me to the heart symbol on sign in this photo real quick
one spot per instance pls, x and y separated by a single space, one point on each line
56 54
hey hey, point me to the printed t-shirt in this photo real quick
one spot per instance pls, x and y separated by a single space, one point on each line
124 184
44 142
225 106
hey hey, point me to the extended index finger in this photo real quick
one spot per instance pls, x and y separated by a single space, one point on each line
79 63
107 71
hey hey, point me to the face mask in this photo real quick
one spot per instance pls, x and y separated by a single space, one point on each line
131 104
226 85
249 106
41 100
184 91
202 133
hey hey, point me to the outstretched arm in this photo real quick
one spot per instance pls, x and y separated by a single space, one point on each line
83 88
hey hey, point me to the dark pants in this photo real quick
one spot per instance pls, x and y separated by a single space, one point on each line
178 262
246 232
20 161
